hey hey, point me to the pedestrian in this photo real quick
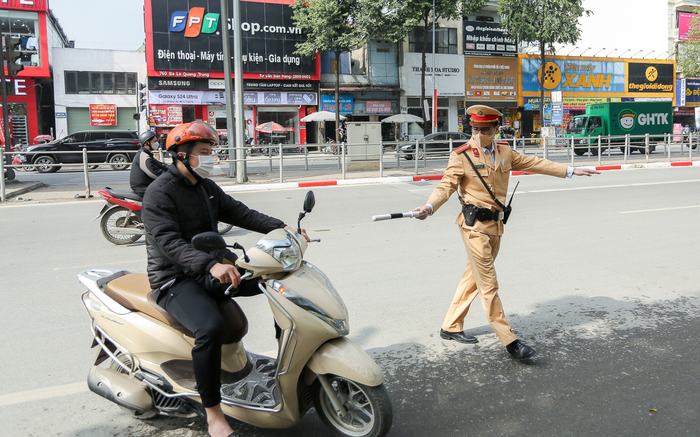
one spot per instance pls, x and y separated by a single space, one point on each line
161 140
178 205
479 170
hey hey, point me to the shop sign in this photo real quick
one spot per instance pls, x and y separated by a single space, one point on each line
685 25
279 85
491 79
166 115
186 37
487 39
173 84
647 77
219 98
573 75
60 115
557 114
570 103
346 104
449 74
26 5
103 115
378 107
688 92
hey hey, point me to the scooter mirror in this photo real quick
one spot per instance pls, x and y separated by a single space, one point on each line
309 201
208 241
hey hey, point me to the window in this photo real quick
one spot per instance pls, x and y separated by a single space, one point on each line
445 40
25 26
98 136
115 135
77 137
96 82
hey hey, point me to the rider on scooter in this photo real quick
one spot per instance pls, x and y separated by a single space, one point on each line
177 206
146 168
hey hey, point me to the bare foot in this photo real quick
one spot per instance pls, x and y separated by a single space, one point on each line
218 426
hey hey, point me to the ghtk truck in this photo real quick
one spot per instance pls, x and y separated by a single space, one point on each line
617 119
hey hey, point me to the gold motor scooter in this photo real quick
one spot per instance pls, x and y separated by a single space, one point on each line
144 363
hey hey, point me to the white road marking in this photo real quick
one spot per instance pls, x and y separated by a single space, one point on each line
43 393
660 209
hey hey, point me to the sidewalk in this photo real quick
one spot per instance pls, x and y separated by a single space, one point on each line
37 192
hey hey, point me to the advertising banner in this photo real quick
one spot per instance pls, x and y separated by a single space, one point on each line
166 115
25 5
164 97
570 103
345 102
688 92
487 39
103 115
184 37
697 118
685 24
448 74
574 75
491 79
647 77
378 107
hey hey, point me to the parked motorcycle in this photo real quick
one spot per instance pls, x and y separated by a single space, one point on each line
144 362
121 217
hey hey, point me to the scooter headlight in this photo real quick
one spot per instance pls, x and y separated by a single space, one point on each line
340 326
287 252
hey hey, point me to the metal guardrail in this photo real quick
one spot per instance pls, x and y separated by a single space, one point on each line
581 150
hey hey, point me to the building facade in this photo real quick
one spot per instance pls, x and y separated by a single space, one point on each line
30 104
184 55
98 89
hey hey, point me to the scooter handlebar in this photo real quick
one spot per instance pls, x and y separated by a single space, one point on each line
376 218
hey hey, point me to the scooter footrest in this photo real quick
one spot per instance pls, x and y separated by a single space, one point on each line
259 388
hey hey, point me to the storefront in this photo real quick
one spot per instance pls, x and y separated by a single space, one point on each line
449 83
184 55
30 94
492 82
584 80
687 100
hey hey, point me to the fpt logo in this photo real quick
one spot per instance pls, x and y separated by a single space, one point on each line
194 22
549 75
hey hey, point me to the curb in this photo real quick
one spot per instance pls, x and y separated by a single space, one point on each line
28 188
391 180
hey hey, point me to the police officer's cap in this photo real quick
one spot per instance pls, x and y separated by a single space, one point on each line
482 116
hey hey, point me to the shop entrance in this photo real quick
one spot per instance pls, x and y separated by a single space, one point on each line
288 118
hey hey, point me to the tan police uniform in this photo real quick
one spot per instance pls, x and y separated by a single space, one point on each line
482 240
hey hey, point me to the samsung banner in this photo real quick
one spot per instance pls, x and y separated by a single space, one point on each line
164 97
183 39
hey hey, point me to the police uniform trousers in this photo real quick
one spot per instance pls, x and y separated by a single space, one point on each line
479 278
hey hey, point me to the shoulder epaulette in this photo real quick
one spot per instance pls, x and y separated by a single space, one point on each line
503 143
462 148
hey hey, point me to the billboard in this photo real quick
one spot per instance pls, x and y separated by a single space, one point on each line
487 39
448 74
649 77
103 115
688 92
491 79
183 39
685 20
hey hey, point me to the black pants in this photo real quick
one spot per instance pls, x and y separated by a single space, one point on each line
198 311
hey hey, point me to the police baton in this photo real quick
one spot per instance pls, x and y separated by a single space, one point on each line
376 218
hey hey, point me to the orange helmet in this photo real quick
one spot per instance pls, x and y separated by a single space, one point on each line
194 131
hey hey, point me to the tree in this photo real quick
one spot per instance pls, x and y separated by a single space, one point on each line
688 51
337 26
545 23
419 13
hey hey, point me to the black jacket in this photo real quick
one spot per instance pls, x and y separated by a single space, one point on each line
174 211
144 170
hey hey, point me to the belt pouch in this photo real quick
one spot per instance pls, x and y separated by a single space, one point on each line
469 212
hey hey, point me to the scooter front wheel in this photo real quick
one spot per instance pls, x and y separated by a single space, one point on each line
367 409
117 218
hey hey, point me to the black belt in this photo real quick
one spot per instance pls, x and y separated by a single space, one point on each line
485 214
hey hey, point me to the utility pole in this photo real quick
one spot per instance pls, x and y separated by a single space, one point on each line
434 120
227 86
12 53
241 174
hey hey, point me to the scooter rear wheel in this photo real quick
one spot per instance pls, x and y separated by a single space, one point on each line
117 217
368 409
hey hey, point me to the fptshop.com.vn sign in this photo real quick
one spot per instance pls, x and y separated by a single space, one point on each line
183 39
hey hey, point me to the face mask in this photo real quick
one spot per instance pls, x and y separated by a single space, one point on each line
205 167
484 140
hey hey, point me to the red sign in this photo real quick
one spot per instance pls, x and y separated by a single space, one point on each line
378 107
25 5
103 115
166 115
685 25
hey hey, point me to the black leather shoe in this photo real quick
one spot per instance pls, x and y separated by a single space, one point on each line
519 350
459 337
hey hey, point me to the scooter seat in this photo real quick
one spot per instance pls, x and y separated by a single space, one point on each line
133 292
124 194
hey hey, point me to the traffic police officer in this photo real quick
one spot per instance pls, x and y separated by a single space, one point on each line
494 162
